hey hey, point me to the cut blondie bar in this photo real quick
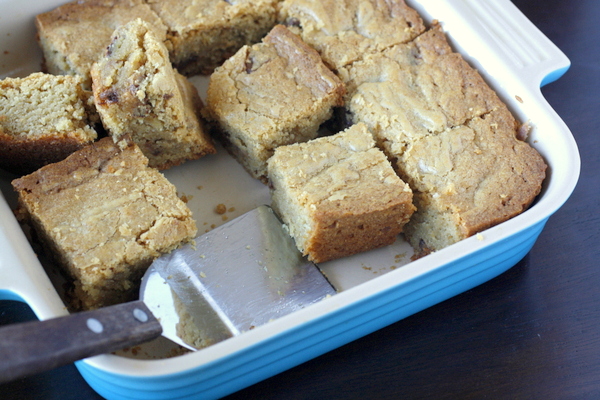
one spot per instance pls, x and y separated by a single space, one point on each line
338 195
137 92
271 94
204 33
104 216
342 31
74 35
43 119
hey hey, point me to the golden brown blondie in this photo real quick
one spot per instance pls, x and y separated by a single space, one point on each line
138 93
104 215
74 35
342 31
469 178
270 94
204 33
338 195
43 119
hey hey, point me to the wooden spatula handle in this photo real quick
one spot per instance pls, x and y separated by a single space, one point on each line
31 347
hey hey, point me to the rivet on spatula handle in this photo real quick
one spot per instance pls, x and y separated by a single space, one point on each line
32 347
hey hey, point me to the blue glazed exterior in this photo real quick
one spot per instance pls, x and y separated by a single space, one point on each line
319 336
9 295
553 76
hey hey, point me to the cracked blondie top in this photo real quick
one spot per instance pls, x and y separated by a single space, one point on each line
338 195
342 31
138 93
270 94
414 90
104 215
469 178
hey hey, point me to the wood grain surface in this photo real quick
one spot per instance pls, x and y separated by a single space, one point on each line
531 333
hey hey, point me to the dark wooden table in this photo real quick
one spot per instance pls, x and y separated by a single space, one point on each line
531 333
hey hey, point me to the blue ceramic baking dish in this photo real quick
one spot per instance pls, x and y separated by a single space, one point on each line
376 288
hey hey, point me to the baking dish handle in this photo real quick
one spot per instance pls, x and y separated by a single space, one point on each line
497 32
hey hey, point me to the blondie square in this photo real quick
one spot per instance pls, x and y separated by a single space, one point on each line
342 31
469 178
271 94
137 92
204 33
74 35
104 215
414 90
338 195
43 119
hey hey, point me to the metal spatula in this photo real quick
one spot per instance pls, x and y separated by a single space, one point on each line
230 280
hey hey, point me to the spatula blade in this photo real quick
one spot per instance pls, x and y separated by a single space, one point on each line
238 276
